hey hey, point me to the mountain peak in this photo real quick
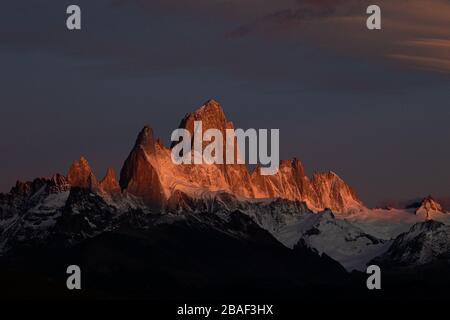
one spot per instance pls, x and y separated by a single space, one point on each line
145 140
210 110
148 172
430 203
109 183
138 176
211 114
80 175
428 207
211 105
293 164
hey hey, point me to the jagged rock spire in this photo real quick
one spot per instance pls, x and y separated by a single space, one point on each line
109 183
210 114
80 175
149 173
428 208
138 176
146 140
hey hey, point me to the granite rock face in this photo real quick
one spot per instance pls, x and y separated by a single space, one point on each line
149 172
80 175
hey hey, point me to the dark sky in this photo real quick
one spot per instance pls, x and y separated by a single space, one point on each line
373 106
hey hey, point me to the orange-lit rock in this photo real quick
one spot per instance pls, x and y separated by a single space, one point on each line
109 183
150 173
428 208
138 176
236 176
80 175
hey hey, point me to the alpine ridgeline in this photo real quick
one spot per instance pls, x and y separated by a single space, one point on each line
150 174
318 215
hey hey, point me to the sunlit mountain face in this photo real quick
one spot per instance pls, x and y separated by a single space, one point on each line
91 179
215 214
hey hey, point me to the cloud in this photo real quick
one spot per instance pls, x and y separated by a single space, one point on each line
415 33
426 63
427 54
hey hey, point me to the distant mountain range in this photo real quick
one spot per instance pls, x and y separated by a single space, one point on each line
219 227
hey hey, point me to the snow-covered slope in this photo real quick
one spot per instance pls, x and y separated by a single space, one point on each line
383 223
292 222
321 212
389 223
31 209
424 243
341 240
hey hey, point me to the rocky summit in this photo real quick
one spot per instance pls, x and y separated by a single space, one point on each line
287 225
149 173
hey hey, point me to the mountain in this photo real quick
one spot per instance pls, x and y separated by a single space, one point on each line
232 177
109 183
149 173
139 175
80 175
342 241
30 209
321 191
224 217
200 255
429 208
425 243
